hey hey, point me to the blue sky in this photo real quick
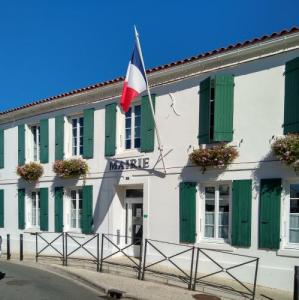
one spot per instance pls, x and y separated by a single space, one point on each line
52 46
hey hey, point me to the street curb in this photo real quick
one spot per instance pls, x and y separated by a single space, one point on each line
67 274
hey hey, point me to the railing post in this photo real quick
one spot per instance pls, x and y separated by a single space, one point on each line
36 247
65 249
255 278
21 247
102 249
8 255
195 272
296 283
144 259
191 269
98 252
140 259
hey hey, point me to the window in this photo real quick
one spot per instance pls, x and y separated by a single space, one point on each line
34 209
294 214
77 136
216 211
35 142
133 127
76 209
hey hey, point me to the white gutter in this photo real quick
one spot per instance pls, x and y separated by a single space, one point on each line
165 76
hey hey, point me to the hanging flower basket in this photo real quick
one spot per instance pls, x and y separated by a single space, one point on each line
30 172
286 149
219 156
70 168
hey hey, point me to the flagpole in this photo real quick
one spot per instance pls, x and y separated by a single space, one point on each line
150 100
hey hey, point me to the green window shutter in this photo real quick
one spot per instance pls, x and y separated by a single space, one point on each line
21 208
44 141
241 213
88 133
269 217
44 209
86 219
110 129
147 125
204 112
187 212
223 109
59 209
21 145
2 208
291 98
59 137
1 148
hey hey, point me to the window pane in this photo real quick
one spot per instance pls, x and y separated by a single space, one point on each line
134 193
223 190
128 122
294 236
137 110
223 232
128 144
294 206
137 143
294 221
294 189
210 211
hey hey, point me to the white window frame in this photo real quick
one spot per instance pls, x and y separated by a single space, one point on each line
30 140
68 143
68 210
132 129
216 224
29 207
285 216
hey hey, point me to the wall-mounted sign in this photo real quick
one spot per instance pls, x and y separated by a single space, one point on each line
139 163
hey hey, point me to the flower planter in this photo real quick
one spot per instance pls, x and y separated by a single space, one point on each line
30 172
218 156
70 168
286 149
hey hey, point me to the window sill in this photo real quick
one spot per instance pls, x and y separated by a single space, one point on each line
215 245
32 230
291 252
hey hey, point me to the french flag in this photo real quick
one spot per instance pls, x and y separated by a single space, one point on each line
135 82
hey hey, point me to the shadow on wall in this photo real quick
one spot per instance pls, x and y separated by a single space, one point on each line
106 194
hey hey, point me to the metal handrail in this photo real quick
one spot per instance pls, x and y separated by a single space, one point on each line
183 276
95 258
136 266
249 292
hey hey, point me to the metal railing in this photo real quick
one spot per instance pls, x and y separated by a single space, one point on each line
181 274
45 242
249 260
81 247
122 248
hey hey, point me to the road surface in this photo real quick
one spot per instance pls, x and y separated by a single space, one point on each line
23 282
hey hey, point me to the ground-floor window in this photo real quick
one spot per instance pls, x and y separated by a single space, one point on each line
34 209
294 214
217 211
75 209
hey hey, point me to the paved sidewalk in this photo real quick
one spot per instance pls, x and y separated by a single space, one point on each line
153 288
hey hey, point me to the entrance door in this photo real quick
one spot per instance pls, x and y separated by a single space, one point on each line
134 219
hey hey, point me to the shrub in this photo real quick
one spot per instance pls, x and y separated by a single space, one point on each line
70 168
286 149
218 156
30 172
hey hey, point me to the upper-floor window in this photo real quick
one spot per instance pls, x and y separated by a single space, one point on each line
217 211
77 135
133 127
294 214
35 142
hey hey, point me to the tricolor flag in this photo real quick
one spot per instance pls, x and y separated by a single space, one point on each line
135 82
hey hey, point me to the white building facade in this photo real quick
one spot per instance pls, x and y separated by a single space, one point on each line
236 95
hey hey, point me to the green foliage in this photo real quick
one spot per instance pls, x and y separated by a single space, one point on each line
70 168
286 149
30 172
218 156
